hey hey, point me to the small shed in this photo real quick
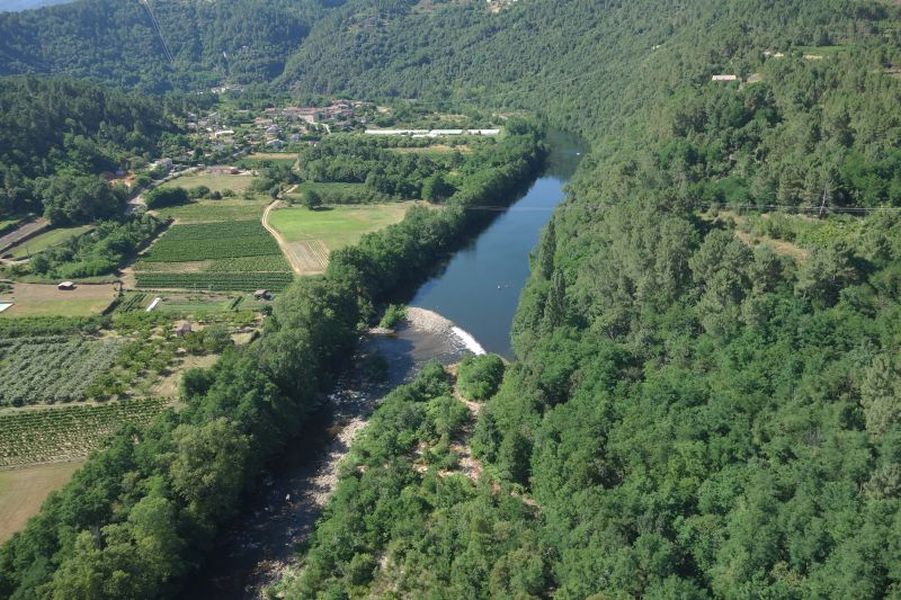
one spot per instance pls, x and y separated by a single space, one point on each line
183 329
261 295
65 285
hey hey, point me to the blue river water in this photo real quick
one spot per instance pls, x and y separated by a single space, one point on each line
479 287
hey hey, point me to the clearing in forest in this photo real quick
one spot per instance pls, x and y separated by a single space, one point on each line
312 234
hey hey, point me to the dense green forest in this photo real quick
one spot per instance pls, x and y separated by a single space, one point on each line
705 401
58 135
141 513
158 45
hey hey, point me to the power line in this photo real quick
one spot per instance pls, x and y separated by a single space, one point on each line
741 207
159 30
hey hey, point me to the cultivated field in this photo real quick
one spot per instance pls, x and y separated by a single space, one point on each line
42 300
216 182
52 369
197 305
209 211
54 434
278 157
215 256
23 490
48 239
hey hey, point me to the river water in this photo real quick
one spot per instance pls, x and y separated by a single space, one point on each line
466 306
479 287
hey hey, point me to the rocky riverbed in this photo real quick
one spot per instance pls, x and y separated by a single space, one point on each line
262 543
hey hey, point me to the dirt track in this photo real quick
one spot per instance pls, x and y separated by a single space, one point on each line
296 265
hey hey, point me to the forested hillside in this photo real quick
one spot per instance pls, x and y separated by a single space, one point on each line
157 45
706 397
12 5
58 135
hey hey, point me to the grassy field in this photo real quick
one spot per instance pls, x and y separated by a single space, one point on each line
340 193
217 182
22 491
309 236
208 211
326 187
47 240
9 221
336 226
42 300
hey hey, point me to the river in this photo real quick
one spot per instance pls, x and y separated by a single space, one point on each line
478 289
467 304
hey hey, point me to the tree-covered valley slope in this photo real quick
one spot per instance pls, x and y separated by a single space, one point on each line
157 45
705 401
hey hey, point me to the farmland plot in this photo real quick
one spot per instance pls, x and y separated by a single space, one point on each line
51 434
52 369
23 490
311 235
231 255
208 211
201 241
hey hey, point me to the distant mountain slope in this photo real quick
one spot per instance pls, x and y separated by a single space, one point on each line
118 42
578 59
16 5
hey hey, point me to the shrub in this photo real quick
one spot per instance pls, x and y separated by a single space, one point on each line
394 314
161 197
480 376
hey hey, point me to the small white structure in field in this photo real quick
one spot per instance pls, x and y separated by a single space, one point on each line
65 285
154 304
724 78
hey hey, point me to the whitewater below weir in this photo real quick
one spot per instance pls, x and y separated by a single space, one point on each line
260 545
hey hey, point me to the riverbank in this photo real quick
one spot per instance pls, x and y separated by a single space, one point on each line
258 547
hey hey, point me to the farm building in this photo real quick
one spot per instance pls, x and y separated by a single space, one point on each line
261 295
182 329
65 285
724 78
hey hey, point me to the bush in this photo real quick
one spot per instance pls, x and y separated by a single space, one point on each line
480 376
394 314
311 200
162 197
201 191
